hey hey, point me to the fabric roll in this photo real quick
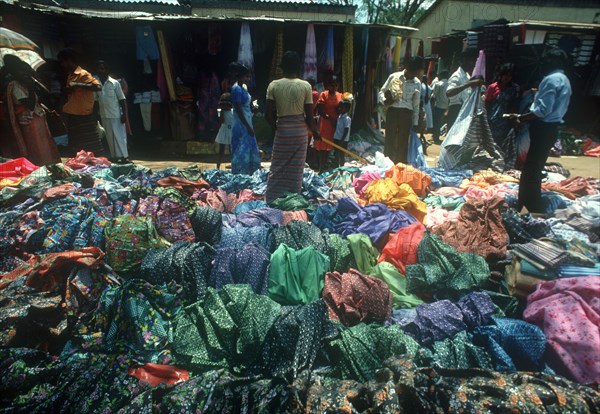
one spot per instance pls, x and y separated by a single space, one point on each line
396 56
310 54
348 60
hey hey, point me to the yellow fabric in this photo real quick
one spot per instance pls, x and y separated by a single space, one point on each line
487 178
290 96
81 101
348 60
397 197
5 182
407 174
396 56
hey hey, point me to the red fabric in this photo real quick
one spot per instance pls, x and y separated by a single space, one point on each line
353 298
16 169
401 249
590 147
492 92
44 272
573 187
155 374
568 311
84 159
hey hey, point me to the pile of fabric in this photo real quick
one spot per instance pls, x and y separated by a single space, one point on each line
379 289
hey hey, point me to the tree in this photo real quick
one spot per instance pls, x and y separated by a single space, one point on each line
400 12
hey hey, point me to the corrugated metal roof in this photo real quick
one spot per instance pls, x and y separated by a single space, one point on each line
558 24
169 2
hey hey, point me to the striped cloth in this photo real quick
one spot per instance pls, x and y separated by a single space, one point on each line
289 156
84 134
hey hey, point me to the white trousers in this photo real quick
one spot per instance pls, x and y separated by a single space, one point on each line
116 136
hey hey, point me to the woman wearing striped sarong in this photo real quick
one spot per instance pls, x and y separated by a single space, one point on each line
291 98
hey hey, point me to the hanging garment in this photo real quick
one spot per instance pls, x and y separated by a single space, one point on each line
408 51
348 60
327 58
275 72
245 52
420 50
396 55
469 143
353 298
310 54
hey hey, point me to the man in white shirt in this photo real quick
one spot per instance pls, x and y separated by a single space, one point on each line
113 114
459 84
440 104
401 93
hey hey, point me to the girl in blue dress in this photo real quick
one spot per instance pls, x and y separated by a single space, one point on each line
245 157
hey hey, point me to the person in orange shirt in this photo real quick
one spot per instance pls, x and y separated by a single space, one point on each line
327 106
82 122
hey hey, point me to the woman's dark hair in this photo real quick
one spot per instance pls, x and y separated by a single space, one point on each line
555 58
68 54
237 70
505 69
415 63
290 62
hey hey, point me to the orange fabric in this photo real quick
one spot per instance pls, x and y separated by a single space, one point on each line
185 186
573 187
45 272
329 103
487 178
418 181
81 101
58 191
397 197
155 374
401 249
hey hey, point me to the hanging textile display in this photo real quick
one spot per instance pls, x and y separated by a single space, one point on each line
420 51
480 65
391 40
310 54
348 60
245 54
365 58
408 51
396 56
327 58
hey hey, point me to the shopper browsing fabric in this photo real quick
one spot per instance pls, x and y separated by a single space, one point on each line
83 128
291 99
342 132
401 93
327 107
440 104
226 120
245 157
546 114
27 134
459 84
113 114
502 97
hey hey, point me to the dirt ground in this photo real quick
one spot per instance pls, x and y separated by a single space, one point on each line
578 165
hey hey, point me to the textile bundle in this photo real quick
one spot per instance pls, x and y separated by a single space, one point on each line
389 288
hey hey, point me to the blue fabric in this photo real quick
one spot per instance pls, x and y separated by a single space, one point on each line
551 202
441 177
477 309
265 215
239 236
435 322
578 271
375 220
248 206
416 158
552 99
245 265
325 217
513 344
245 158
146 47
313 185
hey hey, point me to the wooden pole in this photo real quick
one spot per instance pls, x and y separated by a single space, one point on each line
162 45
353 155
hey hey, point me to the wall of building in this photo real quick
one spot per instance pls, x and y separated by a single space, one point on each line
453 15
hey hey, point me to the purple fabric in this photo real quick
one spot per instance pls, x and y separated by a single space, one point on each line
436 321
375 220
253 218
247 265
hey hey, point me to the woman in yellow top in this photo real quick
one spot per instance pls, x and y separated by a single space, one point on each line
291 98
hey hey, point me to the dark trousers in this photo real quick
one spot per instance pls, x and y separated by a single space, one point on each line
542 135
398 122
453 111
438 122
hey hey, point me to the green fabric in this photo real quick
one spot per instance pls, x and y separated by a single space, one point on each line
397 283
297 276
135 318
365 254
192 173
444 272
438 201
340 256
460 353
291 202
105 174
360 351
174 194
227 330
128 239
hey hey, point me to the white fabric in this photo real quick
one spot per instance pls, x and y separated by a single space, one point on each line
224 134
146 111
310 54
108 99
458 78
343 122
439 93
116 136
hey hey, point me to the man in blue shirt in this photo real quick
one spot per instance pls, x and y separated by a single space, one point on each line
546 114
